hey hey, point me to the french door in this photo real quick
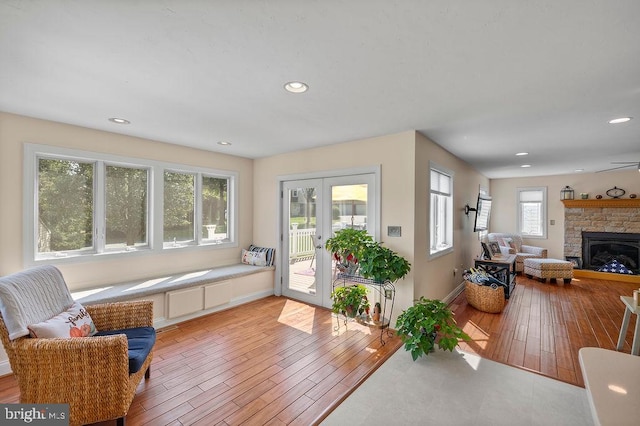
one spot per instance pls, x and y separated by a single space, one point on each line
312 211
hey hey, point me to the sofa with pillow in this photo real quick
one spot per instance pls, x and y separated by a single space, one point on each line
61 352
512 244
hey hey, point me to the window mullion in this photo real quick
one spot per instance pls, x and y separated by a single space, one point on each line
99 207
197 209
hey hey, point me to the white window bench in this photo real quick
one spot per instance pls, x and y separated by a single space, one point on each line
183 296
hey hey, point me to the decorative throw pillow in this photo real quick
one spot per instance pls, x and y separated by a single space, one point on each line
74 322
270 252
256 258
508 243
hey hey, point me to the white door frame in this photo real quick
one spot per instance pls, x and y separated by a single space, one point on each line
373 228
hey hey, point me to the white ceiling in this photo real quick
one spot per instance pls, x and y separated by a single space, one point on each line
484 79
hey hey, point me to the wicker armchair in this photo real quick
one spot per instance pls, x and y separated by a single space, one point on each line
91 374
522 251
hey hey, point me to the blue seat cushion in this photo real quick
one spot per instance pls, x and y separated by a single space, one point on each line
140 341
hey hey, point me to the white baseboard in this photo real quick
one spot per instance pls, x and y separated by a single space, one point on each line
455 293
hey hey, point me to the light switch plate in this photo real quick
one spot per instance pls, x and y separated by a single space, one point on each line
394 231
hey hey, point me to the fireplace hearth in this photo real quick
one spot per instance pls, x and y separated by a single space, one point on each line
601 248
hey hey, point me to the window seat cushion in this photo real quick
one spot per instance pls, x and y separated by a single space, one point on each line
140 341
146 287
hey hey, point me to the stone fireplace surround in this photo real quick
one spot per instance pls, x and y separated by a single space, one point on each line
601 216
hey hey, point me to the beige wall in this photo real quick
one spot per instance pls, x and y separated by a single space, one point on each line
503 191
435 278
393 153
16 130
404 161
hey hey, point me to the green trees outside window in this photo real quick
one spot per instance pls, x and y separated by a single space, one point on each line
85 206
127 206
214 207
65 205
179 198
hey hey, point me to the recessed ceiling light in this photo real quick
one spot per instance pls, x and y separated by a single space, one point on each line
579 170
296 87
519 154
525 165
224 143
619 120
119 120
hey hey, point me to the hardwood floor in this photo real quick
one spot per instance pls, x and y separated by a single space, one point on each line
544 325
277 361
274 361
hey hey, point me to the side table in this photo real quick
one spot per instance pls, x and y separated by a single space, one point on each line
630 308
502 268
612 382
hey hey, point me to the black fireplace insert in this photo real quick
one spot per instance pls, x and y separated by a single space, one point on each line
602 248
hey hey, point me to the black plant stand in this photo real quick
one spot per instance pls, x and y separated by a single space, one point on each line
386 294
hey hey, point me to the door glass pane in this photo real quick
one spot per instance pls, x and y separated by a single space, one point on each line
65 205
349 206
302 233
348 210
179 196
126 196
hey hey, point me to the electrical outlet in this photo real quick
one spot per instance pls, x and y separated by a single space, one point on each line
455 271
388 293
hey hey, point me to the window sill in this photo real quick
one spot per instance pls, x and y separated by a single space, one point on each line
440 253
93 256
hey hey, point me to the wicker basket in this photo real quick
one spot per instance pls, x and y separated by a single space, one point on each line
485 298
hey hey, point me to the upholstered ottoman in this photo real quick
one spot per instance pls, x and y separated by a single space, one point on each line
548 268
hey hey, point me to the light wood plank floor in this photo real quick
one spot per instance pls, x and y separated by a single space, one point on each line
545 324
278 361
274 361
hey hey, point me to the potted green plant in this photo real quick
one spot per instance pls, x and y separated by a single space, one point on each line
350 300
382 264
346 246
419 326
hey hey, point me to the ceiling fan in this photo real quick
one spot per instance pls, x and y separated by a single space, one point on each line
626 164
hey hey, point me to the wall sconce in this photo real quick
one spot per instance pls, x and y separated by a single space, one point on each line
468 209
566 193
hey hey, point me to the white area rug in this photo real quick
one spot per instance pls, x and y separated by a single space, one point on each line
457 388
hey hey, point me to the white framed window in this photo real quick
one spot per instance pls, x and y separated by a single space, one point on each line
441 211
532 212
482 235
127 207
185 194
81 204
